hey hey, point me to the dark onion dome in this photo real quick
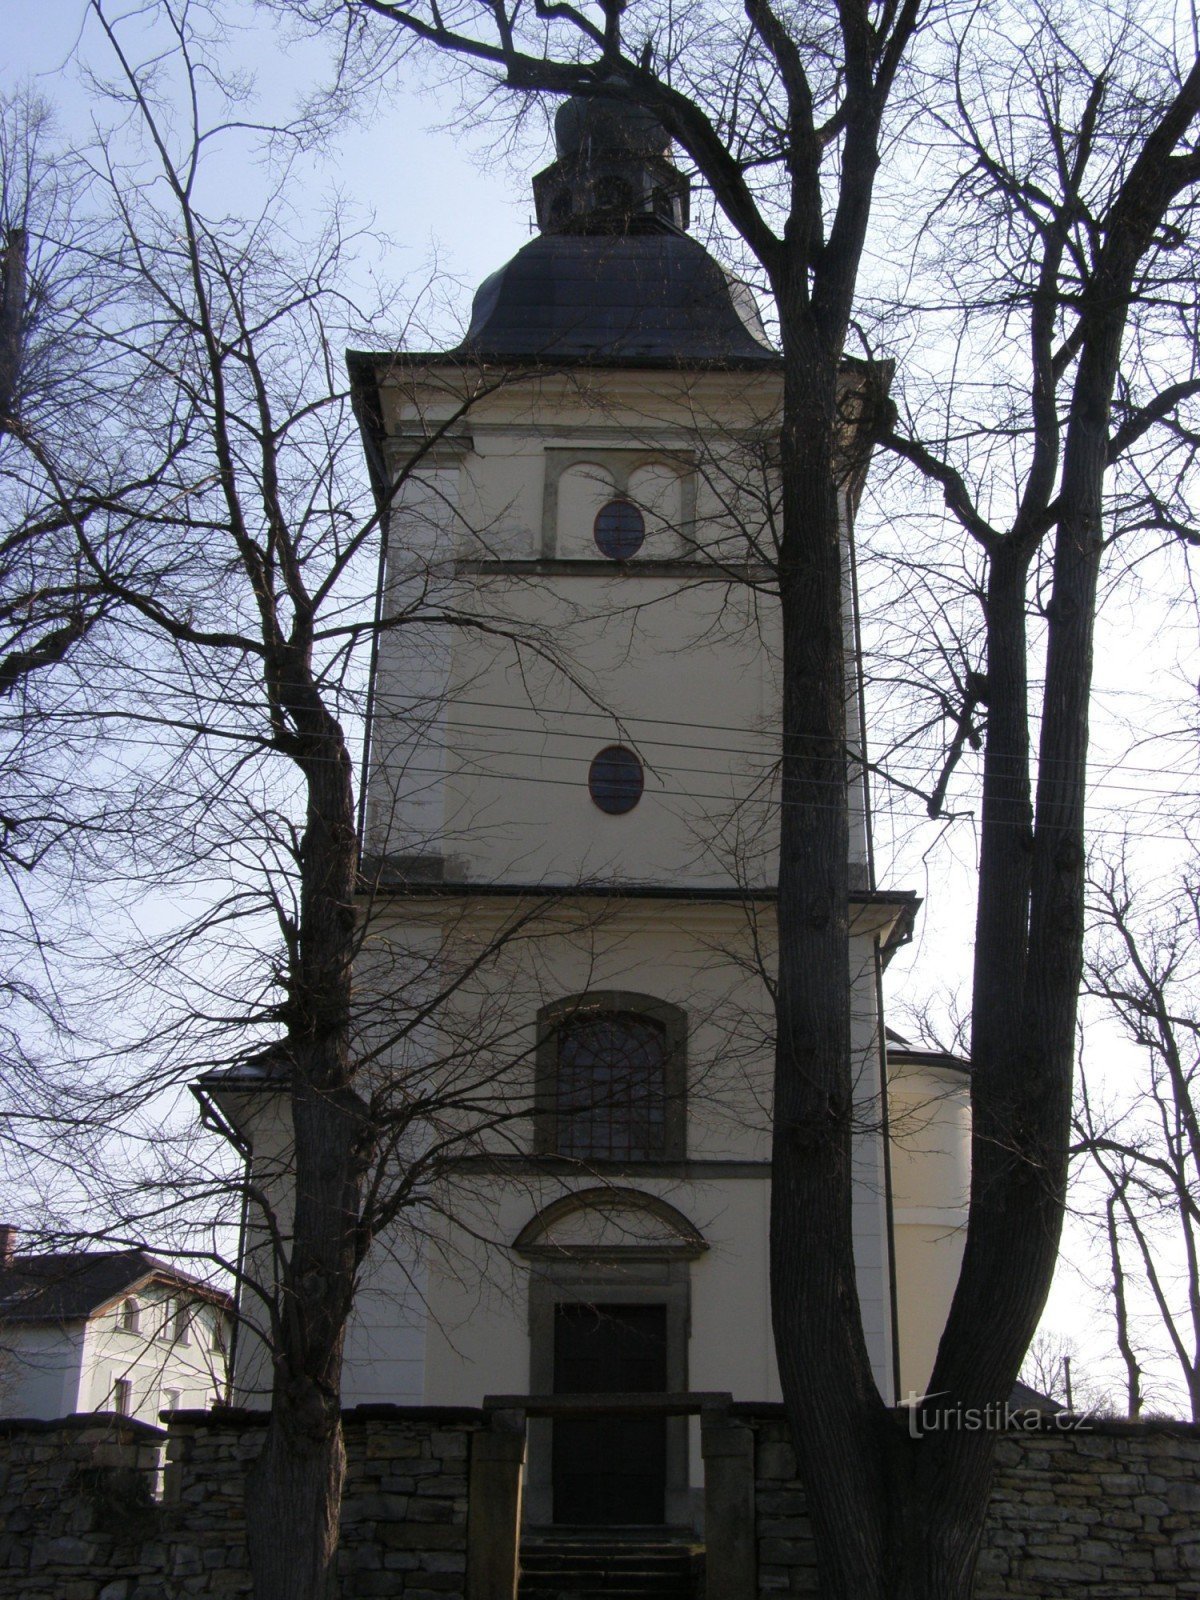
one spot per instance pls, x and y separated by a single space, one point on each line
607 125
614 276
653 297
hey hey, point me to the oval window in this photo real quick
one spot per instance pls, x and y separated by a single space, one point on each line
616 780
620 530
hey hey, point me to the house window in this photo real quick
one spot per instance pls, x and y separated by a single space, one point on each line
183 1323
218 1334
122 1397
130 1316
171 1399
611 1078
616 780
619 530
166 1313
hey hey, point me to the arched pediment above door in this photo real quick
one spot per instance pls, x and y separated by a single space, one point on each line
606 1224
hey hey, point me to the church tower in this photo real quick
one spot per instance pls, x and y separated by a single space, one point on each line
568 852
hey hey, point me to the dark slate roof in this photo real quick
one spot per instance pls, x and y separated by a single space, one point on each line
1025 1398
584 122
71 1286
628 298
270 1065
900 1050
906 1056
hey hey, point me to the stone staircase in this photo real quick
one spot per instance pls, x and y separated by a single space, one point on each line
611 1564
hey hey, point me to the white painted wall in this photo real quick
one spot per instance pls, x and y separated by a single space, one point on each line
406 789
697 956
54 1370
679 665
518 725
931 1178
40 1368
174 1351
385 1338
682 667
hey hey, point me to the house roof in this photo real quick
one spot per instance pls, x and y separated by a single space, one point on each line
74 1285
1024 1395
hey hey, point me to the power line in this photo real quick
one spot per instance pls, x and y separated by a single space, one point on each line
882 768
885 774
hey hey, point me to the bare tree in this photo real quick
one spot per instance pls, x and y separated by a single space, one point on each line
1144 1144
1053 1368
783 113
246 597
63 467
53 286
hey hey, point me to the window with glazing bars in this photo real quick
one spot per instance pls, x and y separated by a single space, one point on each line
611 1092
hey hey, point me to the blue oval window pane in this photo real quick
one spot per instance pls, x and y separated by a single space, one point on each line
620 530
615 780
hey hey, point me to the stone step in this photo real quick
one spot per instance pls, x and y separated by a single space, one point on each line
578 1586
587 1567
601 1575
568 1589
613 1553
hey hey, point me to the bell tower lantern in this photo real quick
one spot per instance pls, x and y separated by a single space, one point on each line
613 173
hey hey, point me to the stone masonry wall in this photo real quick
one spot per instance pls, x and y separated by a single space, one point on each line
79 1519
87 1511
404 1509
78 1516
1110 1512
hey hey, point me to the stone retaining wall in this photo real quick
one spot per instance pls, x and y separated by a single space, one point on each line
79 1519
87 1511
1106 1512
78 1514
404 1510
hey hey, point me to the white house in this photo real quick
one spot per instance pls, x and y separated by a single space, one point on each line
91 1330
594 763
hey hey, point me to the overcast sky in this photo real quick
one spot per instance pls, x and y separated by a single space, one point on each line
435 190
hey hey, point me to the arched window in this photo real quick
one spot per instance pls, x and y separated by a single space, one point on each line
611 1079
612 1091
131 1316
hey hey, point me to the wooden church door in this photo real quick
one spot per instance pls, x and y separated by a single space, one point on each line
610 1471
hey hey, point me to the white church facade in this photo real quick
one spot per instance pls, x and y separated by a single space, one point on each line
570 810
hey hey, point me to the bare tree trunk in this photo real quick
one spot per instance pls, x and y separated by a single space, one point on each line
938 1505
12 320
834 1423
294 1494
1133 1370
294 1491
